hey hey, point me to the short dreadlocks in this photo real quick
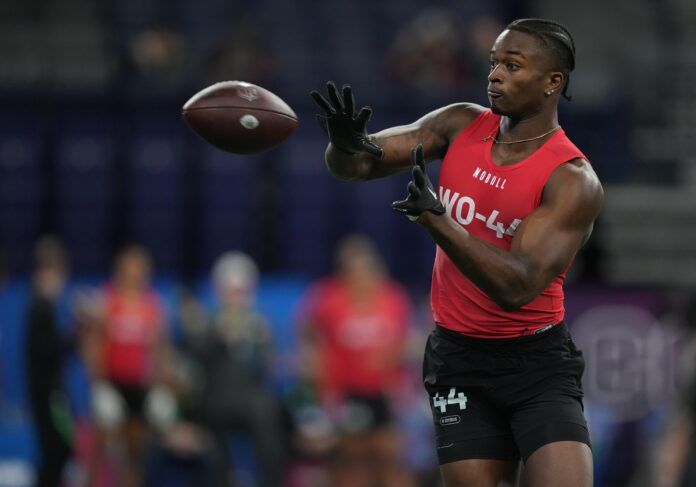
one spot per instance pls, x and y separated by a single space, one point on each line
556 38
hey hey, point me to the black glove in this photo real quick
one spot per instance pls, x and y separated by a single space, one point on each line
421 194
346 131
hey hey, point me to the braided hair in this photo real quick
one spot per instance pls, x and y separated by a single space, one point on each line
556 38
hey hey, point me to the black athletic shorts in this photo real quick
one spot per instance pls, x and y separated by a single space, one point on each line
362 414
134 396
503 398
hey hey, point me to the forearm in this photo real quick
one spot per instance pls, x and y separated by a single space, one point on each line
506 278
348 167
396 142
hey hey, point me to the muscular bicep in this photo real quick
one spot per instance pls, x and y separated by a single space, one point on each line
435 131
548 239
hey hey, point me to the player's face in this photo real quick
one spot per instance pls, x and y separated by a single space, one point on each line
133 270
519 75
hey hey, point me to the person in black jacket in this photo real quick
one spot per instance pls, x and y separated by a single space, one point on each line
234 355
46 350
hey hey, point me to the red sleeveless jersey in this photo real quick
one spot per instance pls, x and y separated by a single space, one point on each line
490 202
131 329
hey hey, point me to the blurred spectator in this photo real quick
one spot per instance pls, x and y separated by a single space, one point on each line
159 59
46 353
233 354
184 446
674 455
482 33
128 359
428 55
355 329
241 55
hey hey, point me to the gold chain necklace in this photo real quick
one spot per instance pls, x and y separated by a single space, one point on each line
495 139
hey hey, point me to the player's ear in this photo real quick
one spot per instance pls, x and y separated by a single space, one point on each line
554 82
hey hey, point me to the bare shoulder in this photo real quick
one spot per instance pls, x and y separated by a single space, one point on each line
450 120
580 173
435 131
574 187
465 111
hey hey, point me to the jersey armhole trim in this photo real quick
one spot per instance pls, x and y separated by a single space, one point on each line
545 178
472 127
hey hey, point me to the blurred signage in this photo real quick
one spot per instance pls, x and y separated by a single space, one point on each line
632 354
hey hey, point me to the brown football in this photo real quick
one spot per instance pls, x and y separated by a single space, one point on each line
240 117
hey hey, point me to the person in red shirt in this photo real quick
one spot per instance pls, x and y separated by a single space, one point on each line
127 358
516 201
355 329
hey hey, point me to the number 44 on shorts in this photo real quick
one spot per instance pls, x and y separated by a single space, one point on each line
453 397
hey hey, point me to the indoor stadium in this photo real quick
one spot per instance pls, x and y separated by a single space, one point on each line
225 262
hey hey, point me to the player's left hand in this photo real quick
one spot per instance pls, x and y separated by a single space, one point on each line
421 194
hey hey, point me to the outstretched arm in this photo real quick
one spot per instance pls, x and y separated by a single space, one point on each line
355 155
543 246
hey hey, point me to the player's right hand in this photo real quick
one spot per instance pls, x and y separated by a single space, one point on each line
345 129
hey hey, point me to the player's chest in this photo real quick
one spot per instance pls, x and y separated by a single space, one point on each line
490 202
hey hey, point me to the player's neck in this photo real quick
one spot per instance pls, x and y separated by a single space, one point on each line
527 127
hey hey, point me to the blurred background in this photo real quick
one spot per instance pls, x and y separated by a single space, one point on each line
162 303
